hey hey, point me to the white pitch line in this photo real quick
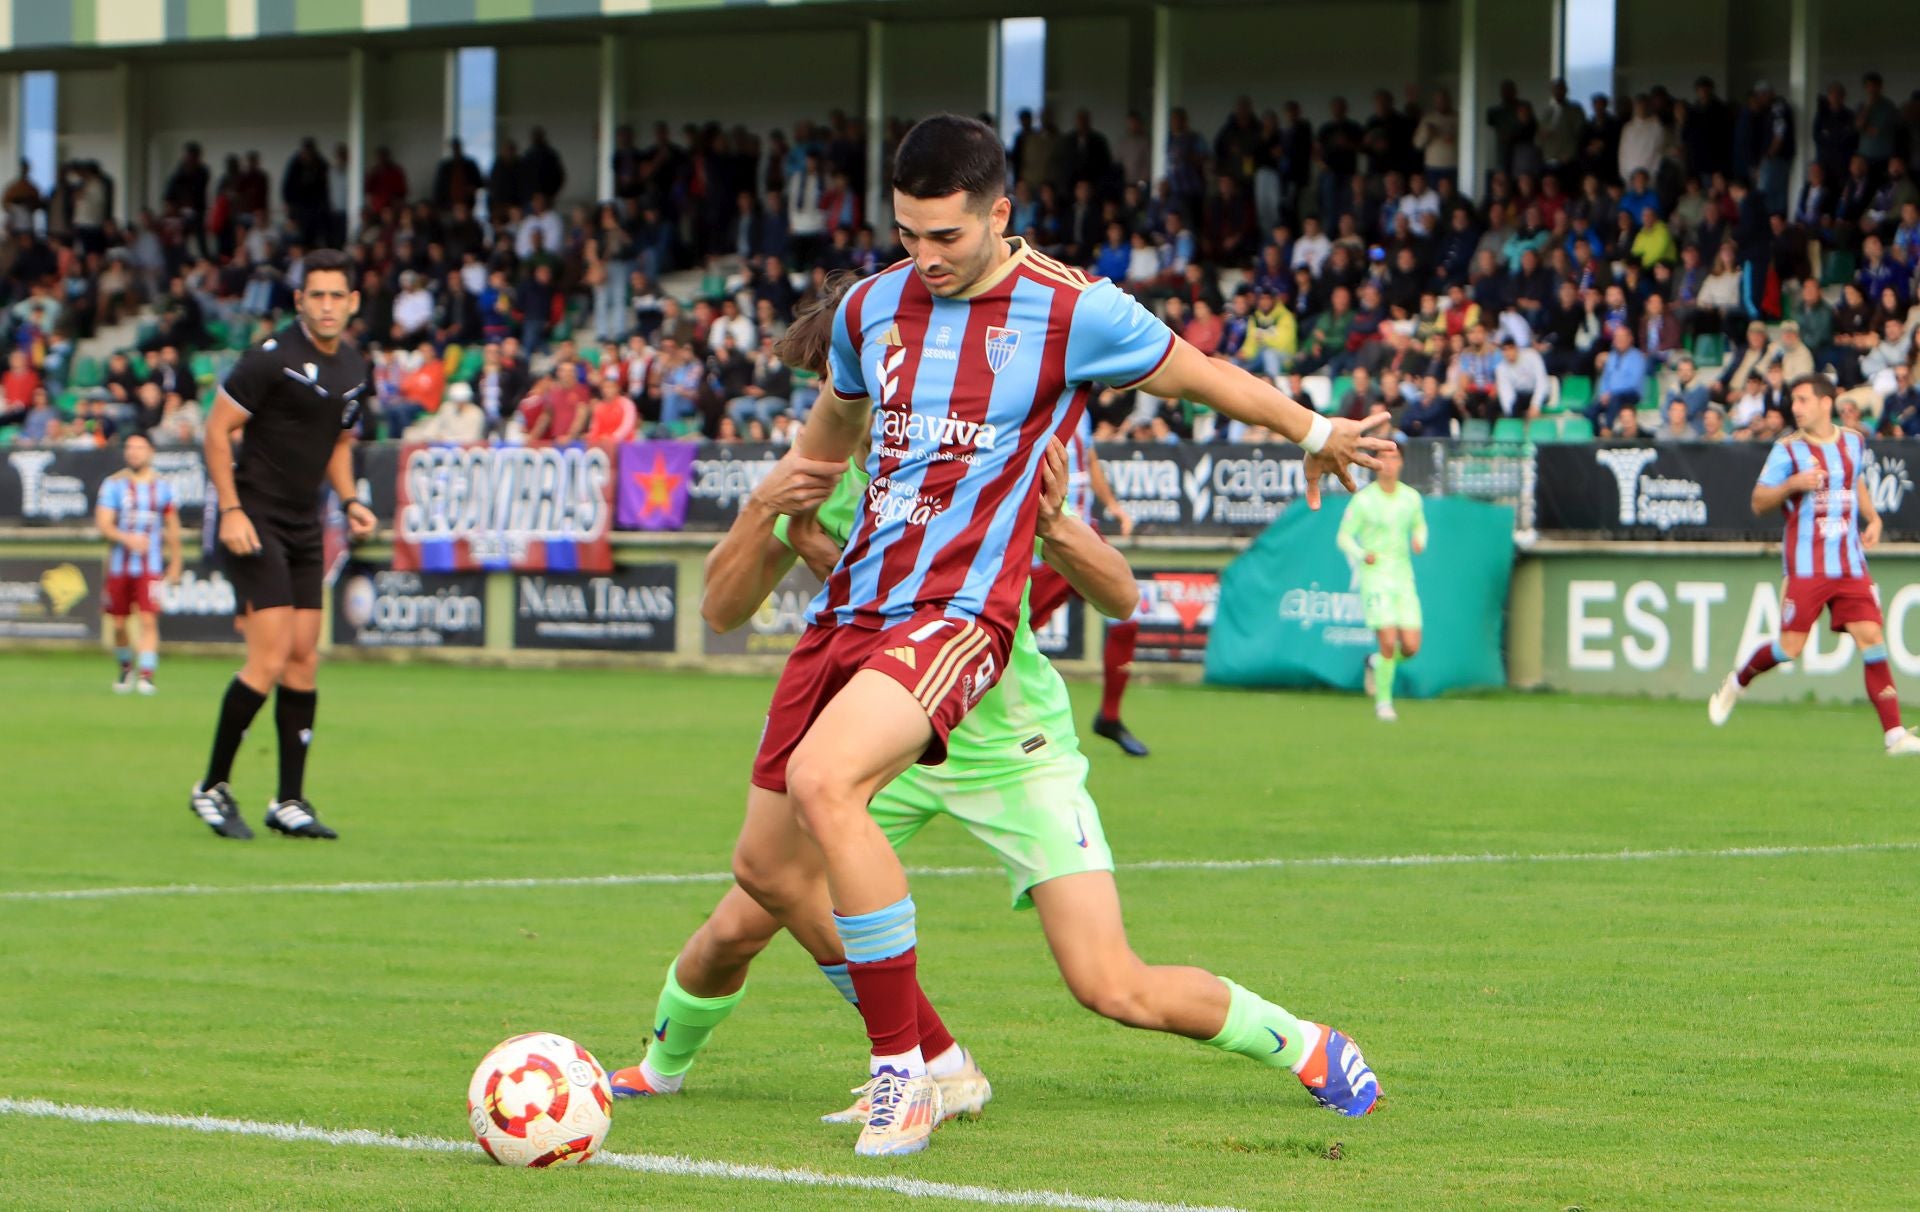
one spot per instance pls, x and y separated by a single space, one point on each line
646 1163
723 877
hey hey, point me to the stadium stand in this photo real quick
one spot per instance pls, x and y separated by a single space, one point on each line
1342 258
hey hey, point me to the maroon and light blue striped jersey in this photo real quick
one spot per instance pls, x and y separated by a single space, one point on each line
966 393
139 507
1822 534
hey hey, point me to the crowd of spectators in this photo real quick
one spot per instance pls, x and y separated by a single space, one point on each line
1646 254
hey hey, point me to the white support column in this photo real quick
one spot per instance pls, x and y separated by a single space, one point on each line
1557 53
1803 88
993 75
128 167
1166 84
10 137
612 66
1469 104
356 139
879 212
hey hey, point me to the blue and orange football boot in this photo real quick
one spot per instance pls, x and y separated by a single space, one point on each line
1337 1075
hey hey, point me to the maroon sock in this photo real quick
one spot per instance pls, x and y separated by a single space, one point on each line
890 1000
1762 660
1118 657
1886 700
934 1036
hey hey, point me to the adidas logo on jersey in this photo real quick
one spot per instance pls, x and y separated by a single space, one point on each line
904 655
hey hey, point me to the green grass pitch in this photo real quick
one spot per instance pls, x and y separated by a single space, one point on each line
1705 1029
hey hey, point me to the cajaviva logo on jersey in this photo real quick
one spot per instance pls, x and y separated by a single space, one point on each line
1661 502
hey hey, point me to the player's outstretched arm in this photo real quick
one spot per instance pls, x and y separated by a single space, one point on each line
834 428
750 559
1097 572
1332 444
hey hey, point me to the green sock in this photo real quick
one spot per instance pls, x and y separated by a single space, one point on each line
1258 1028
682 1023
1383 670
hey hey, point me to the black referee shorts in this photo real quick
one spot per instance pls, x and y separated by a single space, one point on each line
290 566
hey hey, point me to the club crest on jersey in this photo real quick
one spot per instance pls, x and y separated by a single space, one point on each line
1001 343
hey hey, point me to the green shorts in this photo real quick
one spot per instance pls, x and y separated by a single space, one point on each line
1038 817
1391 603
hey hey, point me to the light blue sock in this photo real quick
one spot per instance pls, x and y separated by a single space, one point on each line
149 661
838 977
125 656
1780 653
880 935
1876 655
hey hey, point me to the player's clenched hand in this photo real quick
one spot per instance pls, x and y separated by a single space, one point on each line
797 483
814 546
1349 443
1870 533
360 519
1125 522
1811 480
173 573
1053 485
237 534
134 543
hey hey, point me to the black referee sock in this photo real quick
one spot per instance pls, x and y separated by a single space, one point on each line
293 712
237 710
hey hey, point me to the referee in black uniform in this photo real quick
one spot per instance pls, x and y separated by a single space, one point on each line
298 395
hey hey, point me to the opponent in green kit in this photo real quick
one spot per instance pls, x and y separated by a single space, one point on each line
1015 778
1383 529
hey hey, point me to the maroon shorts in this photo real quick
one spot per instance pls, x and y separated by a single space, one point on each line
946 664
126 594
1845 599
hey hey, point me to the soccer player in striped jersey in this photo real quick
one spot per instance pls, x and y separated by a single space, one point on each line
1086 483
136 514
962 362
1014 778
1813 476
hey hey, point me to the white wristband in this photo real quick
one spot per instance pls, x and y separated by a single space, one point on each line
1317 435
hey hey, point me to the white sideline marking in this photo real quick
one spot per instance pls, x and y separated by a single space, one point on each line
723 877
646 1163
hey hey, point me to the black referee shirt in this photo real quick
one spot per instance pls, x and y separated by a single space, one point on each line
297 400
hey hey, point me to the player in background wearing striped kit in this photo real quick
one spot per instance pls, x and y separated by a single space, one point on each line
136 514
1086 483
962 363
1814 477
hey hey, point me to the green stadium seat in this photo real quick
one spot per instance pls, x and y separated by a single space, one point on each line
1509 429
218 330
66 401
87 373
1574 428
1837 267
1708 349
1475 430
203 366
470 362
591 355
1543 429
1576 392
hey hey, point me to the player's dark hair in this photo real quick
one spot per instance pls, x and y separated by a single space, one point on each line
807 339
1822 386
327 261
948 154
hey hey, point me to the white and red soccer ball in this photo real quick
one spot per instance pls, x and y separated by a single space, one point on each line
539 1100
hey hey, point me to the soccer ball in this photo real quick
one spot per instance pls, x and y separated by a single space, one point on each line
539 1100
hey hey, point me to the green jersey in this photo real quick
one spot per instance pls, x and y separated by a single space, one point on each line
1384 525
1026 717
